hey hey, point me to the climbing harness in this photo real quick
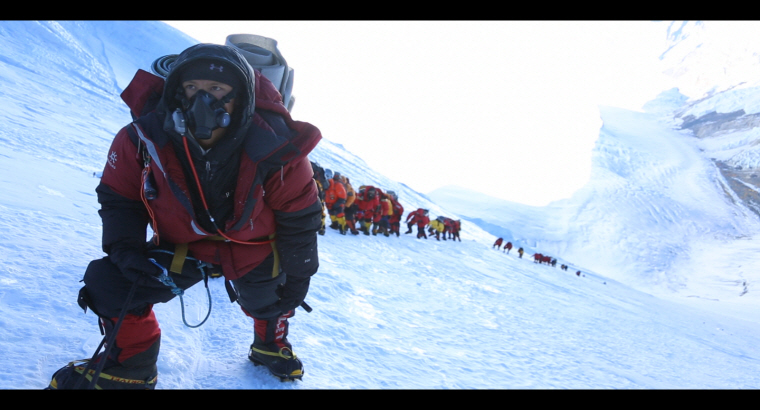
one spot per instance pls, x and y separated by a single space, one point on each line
165 279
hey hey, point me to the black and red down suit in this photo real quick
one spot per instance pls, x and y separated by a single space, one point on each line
264 151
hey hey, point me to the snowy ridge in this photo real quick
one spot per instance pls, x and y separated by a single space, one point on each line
652 197
389 313
715 64
708 57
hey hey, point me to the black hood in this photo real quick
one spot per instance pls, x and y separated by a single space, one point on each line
245 98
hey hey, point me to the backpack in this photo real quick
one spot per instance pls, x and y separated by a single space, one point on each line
263 55
143 93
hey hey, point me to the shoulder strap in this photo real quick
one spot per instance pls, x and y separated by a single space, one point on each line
276 122
141 149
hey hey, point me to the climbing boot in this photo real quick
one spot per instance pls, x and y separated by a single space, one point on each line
113 378
131 363
272 350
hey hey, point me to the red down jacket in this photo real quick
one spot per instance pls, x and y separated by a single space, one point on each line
273 151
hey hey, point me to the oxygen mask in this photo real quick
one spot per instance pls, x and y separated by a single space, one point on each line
204 113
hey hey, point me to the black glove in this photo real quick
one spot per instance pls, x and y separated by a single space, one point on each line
294 292
135 266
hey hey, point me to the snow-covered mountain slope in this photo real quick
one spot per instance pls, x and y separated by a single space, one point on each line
715 65
709 57
389 313
666 182
653 203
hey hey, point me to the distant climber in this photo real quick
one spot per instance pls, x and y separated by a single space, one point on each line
497 244
456 226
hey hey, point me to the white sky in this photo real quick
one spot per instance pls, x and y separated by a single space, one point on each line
507 108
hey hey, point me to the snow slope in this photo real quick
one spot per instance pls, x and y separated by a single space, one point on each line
654 214
389 313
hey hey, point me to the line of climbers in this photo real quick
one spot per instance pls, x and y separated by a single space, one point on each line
374 210
537 257
440 226
507 247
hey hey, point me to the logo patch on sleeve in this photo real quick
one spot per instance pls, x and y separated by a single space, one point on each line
112 160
